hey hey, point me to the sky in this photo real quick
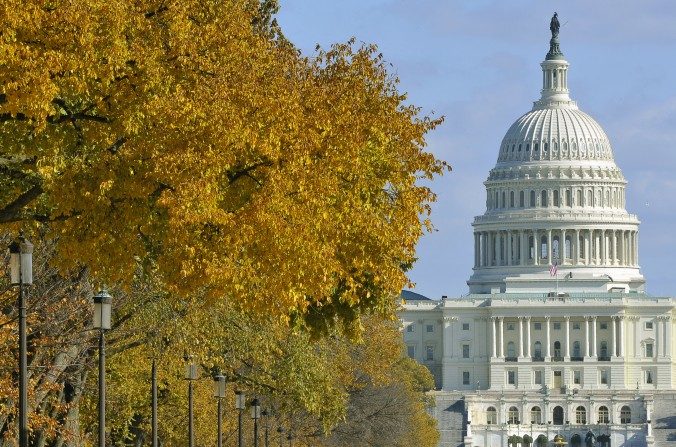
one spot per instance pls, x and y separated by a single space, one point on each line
476 62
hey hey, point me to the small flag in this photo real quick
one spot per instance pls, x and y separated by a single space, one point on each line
553 269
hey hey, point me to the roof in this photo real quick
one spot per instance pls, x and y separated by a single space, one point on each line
407 295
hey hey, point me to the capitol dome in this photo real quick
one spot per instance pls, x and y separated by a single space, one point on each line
555 203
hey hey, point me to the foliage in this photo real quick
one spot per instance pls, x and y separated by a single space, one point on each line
541 441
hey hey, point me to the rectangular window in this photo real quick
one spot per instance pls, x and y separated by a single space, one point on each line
465 326
409 328
649 350
429 350
511 377
576 326
603 325
557 326
510 326
649 325
410 350
604 376
465 351
430 328
648 377
537 326
577 377
537 377
465 377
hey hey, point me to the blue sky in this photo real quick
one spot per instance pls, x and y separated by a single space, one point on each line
476 62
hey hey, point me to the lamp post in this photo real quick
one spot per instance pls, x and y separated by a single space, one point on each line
266 414
153 393
289 437
21 273
255 415
190 375
219 394
240 406
280 431
102 310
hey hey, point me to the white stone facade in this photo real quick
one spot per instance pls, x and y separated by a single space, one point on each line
557 336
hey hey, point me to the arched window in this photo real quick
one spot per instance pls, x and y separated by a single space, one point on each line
535 415
491 416
532 199
555 247
504 202
511 199
511 350
589 198
557 349
604 349
569 197
557 415
604 415
543 247
519 148
625 415
605 202
521 199
531 247
513 415
556 198
538 350
543 198
576 349
579 198
568 247
580 415
580 248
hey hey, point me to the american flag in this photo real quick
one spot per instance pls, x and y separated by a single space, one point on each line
553 269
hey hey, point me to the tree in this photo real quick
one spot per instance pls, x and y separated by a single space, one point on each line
527 440
541 441
189 138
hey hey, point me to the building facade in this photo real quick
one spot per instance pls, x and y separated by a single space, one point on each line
557 336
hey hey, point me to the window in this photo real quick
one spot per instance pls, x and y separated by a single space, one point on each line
556 198
465 377
604 415
511 350
429 353
535 415
410 350
513 415
604 325
580 415
576 326
625 415
604 349
577 377
649 325
649 350
543 198
579 198
430 328
510 326
604 376
557 415
503 203
649 377
491 416
521 199
557 349
569 197
537 377
465 351
532 199
511 377
538 350
557 326
567 247
410 328
576 349
511 199
537 326
465 326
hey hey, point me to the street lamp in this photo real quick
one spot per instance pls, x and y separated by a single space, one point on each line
190 375
21 273
102 304
240 405
255 415
219 393
266 414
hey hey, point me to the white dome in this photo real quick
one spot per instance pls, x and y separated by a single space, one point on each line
555 134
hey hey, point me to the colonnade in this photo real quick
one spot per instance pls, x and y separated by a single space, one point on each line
617 348
584 246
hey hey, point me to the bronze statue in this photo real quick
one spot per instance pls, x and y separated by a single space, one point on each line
554 26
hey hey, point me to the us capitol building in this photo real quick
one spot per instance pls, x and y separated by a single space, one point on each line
557 341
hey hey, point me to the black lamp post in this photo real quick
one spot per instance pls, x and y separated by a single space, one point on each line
280 431
190 375
255 415
102 309
219 394
240 406
266 415
21 273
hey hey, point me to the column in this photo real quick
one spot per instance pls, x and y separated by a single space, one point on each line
614 247
502 337
576 244
604 253
566 354
536 248
637 337
520 337
562 247
548 352
498 251
491 247
587 248
494 334
613 340
594 337
658 336
549 247
667 336
509 247
528 337
621 323
522 250
586 336
636 250
476 250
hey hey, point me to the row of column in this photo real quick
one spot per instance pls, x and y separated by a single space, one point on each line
617 340
569 247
